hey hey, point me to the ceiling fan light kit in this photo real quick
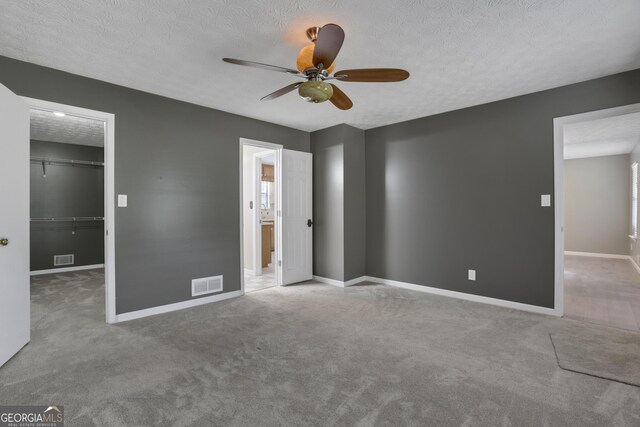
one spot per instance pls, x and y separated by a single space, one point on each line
316 62
315 91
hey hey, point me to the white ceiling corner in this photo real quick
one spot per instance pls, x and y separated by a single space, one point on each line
459 53
603 137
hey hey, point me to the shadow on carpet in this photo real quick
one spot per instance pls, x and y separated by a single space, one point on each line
607 353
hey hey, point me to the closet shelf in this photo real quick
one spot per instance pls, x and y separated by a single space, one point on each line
71 219
49 161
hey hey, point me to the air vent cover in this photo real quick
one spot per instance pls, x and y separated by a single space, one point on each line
206 285
62 260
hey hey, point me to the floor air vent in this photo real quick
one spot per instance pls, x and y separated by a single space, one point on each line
206 285
62 260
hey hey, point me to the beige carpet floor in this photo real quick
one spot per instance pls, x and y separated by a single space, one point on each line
305 355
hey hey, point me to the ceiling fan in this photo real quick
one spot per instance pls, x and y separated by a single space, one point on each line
315 64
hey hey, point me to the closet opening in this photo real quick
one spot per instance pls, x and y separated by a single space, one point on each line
70 182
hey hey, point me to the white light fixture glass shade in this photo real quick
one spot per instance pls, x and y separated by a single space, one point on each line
315 91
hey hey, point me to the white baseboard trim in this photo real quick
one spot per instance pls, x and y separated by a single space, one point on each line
124 317
355 281
612 256
66 269
339 283
463 296
596 255
249 271
328 281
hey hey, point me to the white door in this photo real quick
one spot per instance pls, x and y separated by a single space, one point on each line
297 231
14 224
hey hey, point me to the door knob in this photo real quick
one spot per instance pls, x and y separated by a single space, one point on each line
4 241
309 223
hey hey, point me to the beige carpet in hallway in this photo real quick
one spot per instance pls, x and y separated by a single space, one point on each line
603 291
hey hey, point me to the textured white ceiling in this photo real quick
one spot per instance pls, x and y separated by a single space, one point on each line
603 137
459 52
45 126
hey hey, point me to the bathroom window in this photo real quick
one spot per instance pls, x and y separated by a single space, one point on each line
266 195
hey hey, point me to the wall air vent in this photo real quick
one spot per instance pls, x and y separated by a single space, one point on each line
206 285
62 260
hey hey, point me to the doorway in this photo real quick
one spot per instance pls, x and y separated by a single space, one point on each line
596 187
284 206
71 201
260 201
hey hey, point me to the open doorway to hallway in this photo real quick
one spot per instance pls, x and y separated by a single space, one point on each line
260 201
600 176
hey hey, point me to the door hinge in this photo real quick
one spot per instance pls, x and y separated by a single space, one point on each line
279 263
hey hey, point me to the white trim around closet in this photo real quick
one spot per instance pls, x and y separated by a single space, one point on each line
109 191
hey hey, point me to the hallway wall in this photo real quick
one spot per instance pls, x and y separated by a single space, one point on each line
597 194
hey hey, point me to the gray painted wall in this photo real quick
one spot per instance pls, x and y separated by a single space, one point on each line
355 209
328 203
597 204
461 190
444 193
179 165
339 202
66 191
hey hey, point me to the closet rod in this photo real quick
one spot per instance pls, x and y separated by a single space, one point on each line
71 219
66 161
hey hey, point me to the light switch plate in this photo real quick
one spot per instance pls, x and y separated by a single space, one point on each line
122 200
472 275
545 200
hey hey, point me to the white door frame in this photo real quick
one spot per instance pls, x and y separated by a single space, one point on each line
109 191
278 230
558 188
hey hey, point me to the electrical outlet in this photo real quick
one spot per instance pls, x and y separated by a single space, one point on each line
472 275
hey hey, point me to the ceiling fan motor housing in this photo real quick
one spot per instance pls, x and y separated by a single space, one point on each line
315 91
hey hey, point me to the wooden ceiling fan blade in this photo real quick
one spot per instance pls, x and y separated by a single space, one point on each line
281 92
328 44
260 65
372 75
340 99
